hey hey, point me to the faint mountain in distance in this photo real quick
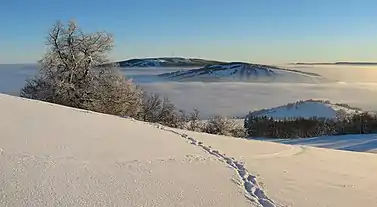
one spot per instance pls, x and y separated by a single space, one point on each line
167 62
338 63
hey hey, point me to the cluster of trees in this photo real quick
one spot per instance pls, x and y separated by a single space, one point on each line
76 72
289 128
363 123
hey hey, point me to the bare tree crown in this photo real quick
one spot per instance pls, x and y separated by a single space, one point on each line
73 53
75 72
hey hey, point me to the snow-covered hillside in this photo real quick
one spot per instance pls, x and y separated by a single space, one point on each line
243 72
52 155
167 62
58 156
308 109
351 142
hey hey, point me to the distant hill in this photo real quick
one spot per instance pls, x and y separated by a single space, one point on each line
167 62
339 63
308 109
239 71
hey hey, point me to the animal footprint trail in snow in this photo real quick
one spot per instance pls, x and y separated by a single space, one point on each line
248 182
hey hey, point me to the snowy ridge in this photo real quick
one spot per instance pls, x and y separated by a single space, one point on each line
243 72
308 109
167 62
249 182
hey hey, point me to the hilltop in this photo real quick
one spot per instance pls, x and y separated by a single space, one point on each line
308 109
240 71
167 62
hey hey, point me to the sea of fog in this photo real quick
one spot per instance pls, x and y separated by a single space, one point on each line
354 85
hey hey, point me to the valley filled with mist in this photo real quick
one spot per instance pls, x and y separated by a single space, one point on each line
353 85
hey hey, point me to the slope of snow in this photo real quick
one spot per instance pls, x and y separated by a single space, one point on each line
299 176
354 142
58 156
243 72
307 109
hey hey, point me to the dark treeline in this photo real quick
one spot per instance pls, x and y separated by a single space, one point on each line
363 123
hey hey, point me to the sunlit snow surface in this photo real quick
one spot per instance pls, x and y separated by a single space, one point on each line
123 162
356 143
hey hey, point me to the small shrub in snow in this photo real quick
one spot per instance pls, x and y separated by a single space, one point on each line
194 122
219 125
157 110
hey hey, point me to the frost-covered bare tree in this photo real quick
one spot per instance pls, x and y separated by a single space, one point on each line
238 131
194 122
223 126
75 71
219 125
160 110
152 105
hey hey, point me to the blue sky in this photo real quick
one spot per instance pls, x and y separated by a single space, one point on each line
264 31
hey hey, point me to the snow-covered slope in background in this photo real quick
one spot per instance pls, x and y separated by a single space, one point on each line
243 72
167 62
308 109
351 142
47 159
